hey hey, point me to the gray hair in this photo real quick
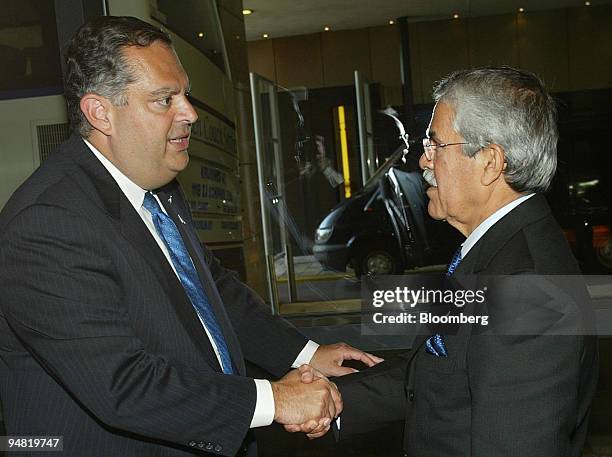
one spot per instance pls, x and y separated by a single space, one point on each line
96 64
509 107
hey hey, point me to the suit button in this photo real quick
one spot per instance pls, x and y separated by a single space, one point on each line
411 395
193 444
209 446
218 448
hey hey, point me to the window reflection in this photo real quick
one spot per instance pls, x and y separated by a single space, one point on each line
29 49
197 22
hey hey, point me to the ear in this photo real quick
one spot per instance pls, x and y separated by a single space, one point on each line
493 158
96 109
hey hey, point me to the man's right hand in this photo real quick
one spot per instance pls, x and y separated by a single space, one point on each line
312 428
296 402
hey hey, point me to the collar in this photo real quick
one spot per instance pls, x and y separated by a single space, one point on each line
134 193
489 222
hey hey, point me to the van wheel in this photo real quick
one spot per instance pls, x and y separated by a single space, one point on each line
377 262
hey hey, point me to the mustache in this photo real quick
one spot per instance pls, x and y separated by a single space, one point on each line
429 177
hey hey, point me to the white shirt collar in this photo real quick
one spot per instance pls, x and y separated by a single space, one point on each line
134 193
489 222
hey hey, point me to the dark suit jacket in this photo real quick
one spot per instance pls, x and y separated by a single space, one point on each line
99 342
493 396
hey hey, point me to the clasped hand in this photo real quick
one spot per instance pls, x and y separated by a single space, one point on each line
305 400
305 396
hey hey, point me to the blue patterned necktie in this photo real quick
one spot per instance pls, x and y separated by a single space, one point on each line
454 263
188 276
435 343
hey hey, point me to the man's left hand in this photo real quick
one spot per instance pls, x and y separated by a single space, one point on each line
328 359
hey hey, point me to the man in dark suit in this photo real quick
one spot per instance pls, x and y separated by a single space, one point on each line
489 154
118 330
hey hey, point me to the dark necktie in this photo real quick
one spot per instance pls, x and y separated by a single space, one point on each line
435 343
188 276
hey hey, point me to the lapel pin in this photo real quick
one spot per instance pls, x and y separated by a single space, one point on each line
170 199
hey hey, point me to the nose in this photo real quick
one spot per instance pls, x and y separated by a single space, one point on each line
424 162
187 113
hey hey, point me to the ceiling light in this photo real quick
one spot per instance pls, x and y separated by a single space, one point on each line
456 16
587 3
201 34
265 35
246 12
391 22
327 28
521 10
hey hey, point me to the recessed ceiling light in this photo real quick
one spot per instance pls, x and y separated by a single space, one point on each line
327 28
201 34
265 35
247 11
521 10
391 22
456 16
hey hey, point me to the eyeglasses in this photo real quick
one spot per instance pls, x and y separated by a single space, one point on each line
430 147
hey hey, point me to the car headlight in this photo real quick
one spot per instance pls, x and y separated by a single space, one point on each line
323 234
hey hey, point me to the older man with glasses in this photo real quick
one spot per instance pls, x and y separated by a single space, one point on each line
489 155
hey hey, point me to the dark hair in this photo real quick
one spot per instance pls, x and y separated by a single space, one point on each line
95 62
509 107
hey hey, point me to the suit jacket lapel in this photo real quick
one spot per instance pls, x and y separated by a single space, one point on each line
109 196
487 247
173 201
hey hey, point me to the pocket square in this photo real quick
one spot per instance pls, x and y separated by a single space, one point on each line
435 346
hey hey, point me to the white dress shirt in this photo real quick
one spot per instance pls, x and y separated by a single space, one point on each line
264 407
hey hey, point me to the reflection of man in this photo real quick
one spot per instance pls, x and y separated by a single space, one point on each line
118 331
333 177
489 154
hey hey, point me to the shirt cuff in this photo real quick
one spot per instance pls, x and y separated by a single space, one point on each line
306 354
264 407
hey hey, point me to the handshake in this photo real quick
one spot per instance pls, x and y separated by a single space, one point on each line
306 401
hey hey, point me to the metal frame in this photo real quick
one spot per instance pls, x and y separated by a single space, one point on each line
364 118
260 142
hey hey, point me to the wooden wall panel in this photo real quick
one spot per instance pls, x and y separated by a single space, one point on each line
543 43
416 67
571 49
493 40
385 62
261 58
343 52
385 54
590 47
442 49
298 61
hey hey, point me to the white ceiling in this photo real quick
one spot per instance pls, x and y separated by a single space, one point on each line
280 18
